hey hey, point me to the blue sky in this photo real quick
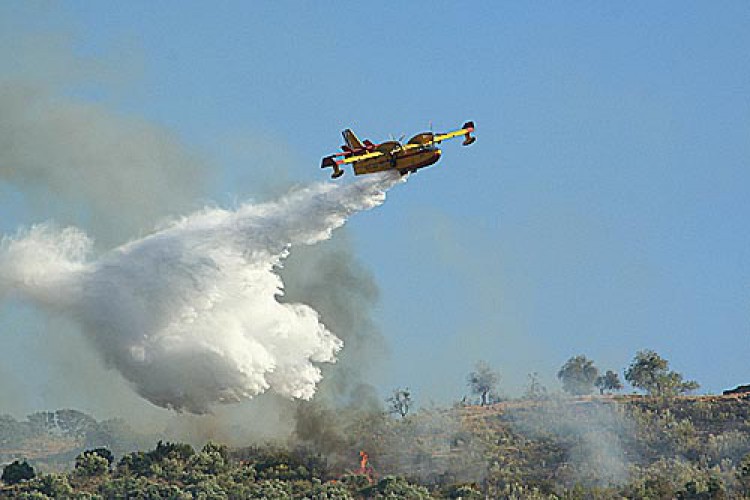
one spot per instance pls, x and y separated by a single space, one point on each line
603 209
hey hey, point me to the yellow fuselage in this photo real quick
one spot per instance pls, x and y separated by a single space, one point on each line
394 159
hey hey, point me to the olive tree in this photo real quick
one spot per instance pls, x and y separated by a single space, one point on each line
483 381
93 462
17 471
610 381
650 372
578 375
400 402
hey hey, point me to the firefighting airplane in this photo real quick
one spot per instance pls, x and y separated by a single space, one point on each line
368 158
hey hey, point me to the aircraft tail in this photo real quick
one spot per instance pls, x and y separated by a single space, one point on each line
351 140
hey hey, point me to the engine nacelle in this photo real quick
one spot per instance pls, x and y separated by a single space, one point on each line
423 138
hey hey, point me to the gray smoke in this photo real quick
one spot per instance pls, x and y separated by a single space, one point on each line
115 174
592 433
330 279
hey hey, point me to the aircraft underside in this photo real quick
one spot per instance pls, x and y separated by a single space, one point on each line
405 163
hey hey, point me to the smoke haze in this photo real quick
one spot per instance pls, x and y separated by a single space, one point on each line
122 172
595 433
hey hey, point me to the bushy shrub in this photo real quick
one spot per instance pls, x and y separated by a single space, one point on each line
743 475
208 489
329 491
151 463
137 463
272 488
180 451
464 491
16 472
355 482
90 463
732 445
221 449
169 469
242 474
104 453
32 495
142 488
208 462
53 485
396 487
271 462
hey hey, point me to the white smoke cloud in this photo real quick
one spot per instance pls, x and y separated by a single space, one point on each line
189 314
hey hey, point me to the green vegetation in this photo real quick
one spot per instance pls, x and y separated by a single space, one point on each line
556 447
17 471
609 382
650 372
544 445
578 375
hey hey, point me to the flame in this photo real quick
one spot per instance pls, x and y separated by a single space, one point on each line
365 468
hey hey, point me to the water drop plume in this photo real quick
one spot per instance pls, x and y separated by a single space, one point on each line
189 314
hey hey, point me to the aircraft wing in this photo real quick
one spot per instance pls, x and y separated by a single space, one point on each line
407 147
364 156
466 131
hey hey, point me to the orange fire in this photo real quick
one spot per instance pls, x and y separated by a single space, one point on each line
365 469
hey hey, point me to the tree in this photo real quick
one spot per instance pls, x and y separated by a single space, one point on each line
140 463
610 381
17 471
535 389
54 486
104 453
396 487
94 462
578 375
42 422
400 402
483 381
650 372
74 423
221 449
163 450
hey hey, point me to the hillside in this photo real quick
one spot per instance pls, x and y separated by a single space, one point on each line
588 447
